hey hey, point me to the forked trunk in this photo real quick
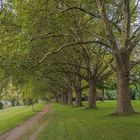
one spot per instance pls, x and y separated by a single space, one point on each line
92 94
124 105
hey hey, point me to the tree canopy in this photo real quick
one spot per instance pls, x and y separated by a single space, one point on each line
57 49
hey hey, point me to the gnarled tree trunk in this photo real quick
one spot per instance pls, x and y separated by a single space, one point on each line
123 77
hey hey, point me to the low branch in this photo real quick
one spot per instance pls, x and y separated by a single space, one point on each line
68 45
81 9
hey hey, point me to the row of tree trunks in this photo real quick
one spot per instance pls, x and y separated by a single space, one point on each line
65 98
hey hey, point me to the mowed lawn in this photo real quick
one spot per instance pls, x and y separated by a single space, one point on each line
73 123
11 117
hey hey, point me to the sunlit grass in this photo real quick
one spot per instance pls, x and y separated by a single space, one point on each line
12 117
73 123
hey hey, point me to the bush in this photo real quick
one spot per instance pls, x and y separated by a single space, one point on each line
1 105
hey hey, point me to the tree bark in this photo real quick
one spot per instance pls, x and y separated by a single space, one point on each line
56 99
33 106
92 94
61 98
102 95
70 99
65 98
13 102
124 106
78 98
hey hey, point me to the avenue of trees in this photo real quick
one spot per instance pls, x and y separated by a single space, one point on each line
57 49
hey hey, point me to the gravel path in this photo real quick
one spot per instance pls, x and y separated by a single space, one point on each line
25 127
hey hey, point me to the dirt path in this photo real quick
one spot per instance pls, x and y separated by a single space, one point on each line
42 124
37 131
25 127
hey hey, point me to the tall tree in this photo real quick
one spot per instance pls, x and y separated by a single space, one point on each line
121 45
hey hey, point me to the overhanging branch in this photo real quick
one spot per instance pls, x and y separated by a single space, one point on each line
69 45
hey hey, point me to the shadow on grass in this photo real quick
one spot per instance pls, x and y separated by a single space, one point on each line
125 114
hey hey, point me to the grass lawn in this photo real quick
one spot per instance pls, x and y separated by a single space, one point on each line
11 117
72 123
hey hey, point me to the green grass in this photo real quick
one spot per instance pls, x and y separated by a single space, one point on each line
11 117
72 123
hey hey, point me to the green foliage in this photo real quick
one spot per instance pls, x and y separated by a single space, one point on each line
63 31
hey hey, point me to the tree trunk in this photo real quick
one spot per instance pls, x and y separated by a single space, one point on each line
78 99
33 107
61 99
56 99
92 94
70 99
65 98
102 95
13 102
124 106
